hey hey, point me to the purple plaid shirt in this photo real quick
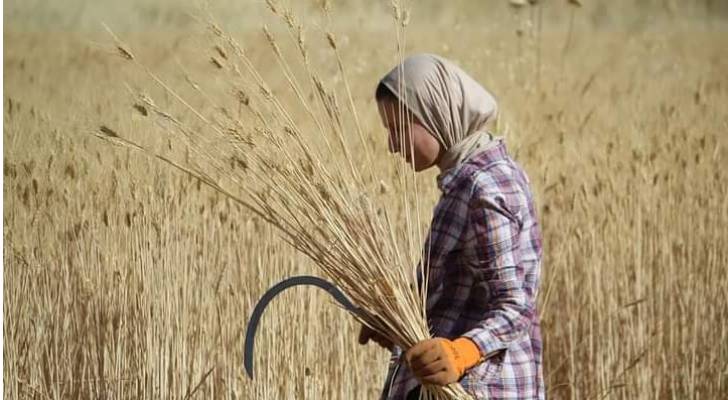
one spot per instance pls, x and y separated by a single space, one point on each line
485 255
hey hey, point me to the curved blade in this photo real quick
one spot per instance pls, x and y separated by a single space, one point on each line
275 291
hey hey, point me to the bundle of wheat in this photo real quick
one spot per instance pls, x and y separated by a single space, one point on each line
320 197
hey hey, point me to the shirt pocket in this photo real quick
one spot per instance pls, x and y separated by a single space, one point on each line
486 372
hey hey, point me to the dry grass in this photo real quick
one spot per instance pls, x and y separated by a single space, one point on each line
126 279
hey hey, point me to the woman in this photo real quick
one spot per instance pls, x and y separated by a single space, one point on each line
483 250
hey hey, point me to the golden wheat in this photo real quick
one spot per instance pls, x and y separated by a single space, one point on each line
127 280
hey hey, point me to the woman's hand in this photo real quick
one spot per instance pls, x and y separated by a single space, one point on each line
366 334
440 361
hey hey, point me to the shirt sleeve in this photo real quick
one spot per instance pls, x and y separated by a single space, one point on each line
496 235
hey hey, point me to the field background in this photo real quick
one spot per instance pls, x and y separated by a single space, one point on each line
125 279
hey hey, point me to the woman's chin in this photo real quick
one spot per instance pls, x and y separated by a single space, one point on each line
420 166
417 165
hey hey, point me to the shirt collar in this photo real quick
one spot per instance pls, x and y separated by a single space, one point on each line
446 181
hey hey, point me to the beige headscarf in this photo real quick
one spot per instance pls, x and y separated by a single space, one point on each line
450 104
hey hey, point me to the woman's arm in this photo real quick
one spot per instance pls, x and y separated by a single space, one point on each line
497 219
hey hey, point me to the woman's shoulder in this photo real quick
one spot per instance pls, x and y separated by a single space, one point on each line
500 178
500 187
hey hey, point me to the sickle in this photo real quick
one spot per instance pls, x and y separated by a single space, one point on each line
272 293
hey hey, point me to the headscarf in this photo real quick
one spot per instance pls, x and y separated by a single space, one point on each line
450 104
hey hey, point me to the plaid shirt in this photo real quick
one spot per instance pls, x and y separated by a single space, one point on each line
484 263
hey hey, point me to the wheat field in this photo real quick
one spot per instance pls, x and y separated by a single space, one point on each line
126 279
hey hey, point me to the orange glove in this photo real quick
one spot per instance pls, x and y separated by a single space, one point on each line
440 361
365 334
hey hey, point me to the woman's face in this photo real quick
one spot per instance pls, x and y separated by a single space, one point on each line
408 137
